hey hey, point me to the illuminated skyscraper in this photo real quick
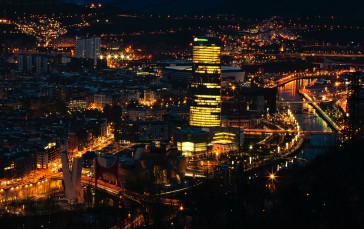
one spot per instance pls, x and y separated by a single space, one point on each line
205 110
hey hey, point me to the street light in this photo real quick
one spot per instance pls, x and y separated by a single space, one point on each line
336 85
272 176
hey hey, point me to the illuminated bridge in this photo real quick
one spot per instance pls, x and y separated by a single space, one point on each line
136 197
306 101
115 190
306 132
302 75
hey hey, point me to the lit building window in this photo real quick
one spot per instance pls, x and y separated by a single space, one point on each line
205 110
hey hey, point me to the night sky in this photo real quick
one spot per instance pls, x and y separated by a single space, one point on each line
239 7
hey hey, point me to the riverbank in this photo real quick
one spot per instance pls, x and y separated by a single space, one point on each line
320 111
288 153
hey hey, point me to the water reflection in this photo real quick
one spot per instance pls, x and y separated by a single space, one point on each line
314 144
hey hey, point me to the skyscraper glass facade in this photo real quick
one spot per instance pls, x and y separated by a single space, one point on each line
205 110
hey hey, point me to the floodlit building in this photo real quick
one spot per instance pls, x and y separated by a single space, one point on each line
192 141
205 110
226 139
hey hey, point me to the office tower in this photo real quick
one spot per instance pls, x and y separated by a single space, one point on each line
205 110
89 48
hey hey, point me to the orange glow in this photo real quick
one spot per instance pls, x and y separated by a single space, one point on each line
272 176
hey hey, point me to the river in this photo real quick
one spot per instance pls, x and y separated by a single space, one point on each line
315 146
308 120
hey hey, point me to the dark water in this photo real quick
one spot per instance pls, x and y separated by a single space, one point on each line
315 144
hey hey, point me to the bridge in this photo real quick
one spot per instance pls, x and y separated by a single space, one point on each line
286 78
298 55
136 197
305 132
298 102
117 191
302 75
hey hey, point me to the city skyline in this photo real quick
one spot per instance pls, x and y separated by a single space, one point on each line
181 114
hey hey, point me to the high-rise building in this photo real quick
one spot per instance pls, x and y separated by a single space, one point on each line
89 48
205 110
34 63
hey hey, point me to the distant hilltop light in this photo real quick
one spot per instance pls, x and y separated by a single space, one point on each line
201 39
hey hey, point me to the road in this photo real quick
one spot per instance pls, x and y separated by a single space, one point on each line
323 113
117 191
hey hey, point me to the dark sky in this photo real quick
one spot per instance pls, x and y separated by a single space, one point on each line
249 8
